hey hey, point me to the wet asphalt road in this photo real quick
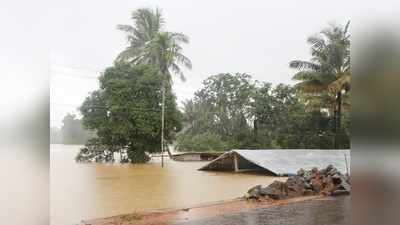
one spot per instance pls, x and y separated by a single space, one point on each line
328 211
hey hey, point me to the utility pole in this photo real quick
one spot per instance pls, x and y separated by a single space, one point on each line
162 123
347 167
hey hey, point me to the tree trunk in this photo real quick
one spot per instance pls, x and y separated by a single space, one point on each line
162 122
255 129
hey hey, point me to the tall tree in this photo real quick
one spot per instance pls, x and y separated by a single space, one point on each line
326 77
149 43
124 113
222 107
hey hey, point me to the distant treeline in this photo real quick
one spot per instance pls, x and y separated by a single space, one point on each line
72 132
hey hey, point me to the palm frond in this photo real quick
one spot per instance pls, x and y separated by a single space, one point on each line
175 68
310 87
341 83
126 28
129 54
346 28
316 42
179 37
147 21
180 58
306 75
301 65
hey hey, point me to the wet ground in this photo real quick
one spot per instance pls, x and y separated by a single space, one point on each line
326 211
310 210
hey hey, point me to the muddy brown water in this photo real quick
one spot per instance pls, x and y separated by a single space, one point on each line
86 191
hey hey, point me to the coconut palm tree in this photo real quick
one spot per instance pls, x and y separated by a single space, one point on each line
327 74
150 44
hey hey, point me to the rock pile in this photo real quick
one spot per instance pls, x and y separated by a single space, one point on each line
328 181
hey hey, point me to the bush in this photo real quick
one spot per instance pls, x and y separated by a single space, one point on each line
200 142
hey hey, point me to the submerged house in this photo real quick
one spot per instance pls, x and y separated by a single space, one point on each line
279 161
196 156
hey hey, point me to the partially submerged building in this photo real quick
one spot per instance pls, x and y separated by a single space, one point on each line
279 161
196 156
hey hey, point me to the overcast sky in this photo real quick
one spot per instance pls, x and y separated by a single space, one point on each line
255 37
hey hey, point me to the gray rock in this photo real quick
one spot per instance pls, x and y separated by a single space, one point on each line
341 182
316 185
332 172
345 186
328 185
329 168
347 178
276 190
301 172
340 192
254 192
307 186
296 186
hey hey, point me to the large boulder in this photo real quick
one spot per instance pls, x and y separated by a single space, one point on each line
328 187
301 172
341 182
254 192
296 186
276 190
316 184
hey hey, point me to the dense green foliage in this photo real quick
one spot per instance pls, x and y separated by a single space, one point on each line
233 111
281 120
125 113
206 141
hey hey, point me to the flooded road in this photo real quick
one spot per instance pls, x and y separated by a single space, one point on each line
328 211
85 191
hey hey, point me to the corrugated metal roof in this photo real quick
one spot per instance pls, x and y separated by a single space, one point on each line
288 161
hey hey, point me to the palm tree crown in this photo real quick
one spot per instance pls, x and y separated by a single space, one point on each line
328 71
150 44
325 78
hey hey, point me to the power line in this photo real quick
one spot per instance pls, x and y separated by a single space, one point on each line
76 68
137 109
74 75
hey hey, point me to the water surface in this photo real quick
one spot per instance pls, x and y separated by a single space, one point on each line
86 191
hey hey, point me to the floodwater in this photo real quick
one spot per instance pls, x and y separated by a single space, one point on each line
87 191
